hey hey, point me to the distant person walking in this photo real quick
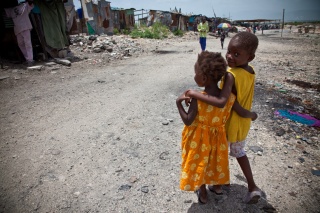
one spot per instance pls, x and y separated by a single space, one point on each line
222 37
254 29
203 28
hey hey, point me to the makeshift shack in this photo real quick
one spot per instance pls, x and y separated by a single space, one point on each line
164 17
123 19
97 14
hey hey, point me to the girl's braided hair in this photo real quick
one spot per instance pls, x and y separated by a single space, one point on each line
212 64
248 41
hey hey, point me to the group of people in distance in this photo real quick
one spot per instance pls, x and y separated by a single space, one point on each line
217 120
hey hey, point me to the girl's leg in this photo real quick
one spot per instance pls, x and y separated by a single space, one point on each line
202 194
217 189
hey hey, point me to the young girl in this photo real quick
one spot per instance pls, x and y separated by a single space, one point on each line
240 80
204 143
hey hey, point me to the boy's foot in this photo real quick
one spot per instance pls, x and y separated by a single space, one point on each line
216 191
252 197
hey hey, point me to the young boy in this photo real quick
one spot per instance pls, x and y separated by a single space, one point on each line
240 81
203 28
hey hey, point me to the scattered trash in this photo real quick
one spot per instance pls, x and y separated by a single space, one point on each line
298 117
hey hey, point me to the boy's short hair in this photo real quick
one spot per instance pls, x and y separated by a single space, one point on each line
212 64
248 41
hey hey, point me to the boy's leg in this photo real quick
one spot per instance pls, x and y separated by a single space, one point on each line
202 43
246 169
237 150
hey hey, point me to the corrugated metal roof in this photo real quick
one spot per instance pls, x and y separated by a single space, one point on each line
119 8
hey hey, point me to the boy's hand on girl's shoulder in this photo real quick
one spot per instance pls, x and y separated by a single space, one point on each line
184 98
254 116
188 97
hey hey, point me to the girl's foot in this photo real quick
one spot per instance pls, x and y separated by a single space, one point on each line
217 189
202 195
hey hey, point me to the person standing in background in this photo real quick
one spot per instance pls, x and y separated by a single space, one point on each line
203 28
195 26
22 28
222 37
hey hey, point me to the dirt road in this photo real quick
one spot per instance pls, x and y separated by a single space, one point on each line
106 137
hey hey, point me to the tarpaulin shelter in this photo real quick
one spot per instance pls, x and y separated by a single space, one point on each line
49 33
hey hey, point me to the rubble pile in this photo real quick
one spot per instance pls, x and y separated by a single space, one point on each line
110 47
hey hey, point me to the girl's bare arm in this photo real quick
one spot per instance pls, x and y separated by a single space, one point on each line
187 117
244 112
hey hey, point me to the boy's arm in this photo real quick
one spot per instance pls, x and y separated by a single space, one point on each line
187 117
244 112
212 100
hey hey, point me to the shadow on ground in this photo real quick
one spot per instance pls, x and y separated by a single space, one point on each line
231 201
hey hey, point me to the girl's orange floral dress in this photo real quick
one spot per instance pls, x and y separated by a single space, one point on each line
205 148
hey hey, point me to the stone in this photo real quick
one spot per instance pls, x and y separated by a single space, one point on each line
97 50
255 149
125 187
315 171
62 61
165 122
37 68
4 77
50 64
163 155
145 189
280 132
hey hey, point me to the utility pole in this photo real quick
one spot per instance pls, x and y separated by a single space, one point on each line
282 22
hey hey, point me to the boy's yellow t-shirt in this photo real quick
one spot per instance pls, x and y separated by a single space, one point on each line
238 127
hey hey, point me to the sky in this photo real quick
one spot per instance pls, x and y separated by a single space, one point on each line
295 10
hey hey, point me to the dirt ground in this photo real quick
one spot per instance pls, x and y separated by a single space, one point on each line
104 136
